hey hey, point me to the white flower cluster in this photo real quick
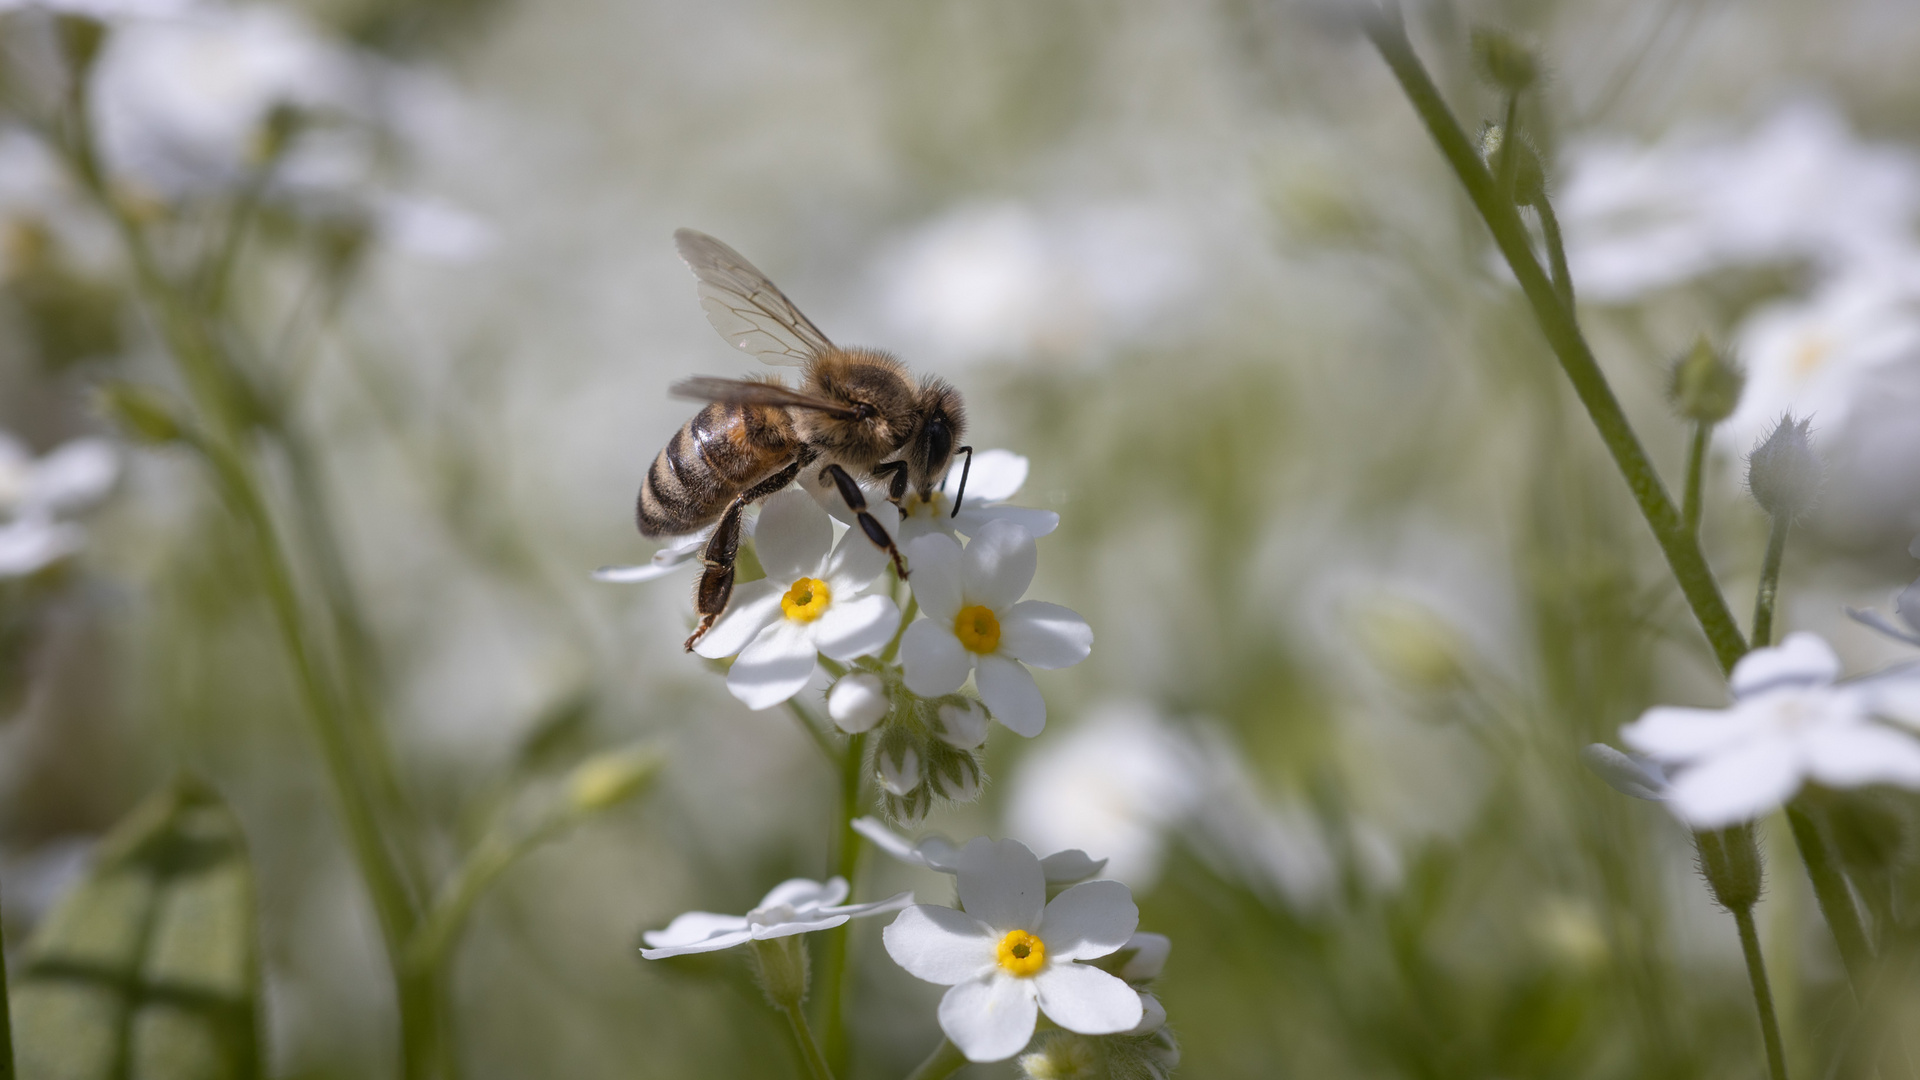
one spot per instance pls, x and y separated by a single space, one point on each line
823 597
1006 952
1792 720
38 498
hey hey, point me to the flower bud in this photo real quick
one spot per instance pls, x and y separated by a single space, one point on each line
954 773
142 411
1064 1057
1782 472
1503 59
1730 861
606 780
780 965
1143 956
962 726
898 760
858 702
908 810
1704 385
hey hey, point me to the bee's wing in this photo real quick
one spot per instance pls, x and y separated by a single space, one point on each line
749 392
748 310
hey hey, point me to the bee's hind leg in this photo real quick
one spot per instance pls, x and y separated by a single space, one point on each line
857 502
710 596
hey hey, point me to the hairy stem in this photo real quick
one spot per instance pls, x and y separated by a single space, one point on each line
945 1060
1769 582
1556 321
1556 251
803 1039
846 865
1696 466
1762 993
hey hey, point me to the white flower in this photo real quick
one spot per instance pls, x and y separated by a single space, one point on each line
797 906
1008 954
35 495
976 622
857 702
992 478
1789 722
936 852
810 602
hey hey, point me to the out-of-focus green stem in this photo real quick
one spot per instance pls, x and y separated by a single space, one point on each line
892 650
1556 251
1762 993
803 1038
846 865
1556 321
1696 467
1507 164
1835 898
945 1060
1763 597
6 1023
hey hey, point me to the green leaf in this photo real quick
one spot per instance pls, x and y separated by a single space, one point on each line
147 970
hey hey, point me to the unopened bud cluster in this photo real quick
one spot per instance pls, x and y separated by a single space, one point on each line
924 748
1783 473
1704 385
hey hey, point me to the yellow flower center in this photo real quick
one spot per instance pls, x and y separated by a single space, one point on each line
807 600
933 506
977 629
1022 954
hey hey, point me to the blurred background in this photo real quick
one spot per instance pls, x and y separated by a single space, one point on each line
1361 577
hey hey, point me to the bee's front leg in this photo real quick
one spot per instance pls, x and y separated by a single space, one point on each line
897 486
857 502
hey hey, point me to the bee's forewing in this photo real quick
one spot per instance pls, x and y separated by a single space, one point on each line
748 310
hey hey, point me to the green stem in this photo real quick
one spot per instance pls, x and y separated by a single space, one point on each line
1835 899
945 1060
846 865
1557 323
1762 993
1556 251
1769 582
1696 466
1508 162
803 1038
892 650
6 1023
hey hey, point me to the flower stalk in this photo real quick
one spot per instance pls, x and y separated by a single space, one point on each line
1764 596
945 1060
1696 468
1762 993
846 865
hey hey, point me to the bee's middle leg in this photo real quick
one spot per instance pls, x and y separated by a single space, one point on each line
710 596
857 502
897 485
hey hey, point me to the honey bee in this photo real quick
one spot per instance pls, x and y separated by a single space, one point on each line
857 412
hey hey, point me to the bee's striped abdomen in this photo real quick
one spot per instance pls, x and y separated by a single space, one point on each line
710 460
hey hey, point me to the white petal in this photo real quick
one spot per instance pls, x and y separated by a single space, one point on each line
793 536
633 575
895 902
1622 773
805 923
773 667
940 944
855 563
712 944
995 475
1046 636
752 608
1737 785
964 726
1896 697
31 544
991 1018
935 661
972 519
1153 1015
1801 658
888 841
999 565
1670 733
693 927
77 475
1069 866
1086 999
1855 755
1150 952
939 852
934 566
1091 919
857 627
1009 690
1001 884
803 892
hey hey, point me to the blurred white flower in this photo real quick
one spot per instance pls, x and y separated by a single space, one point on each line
180 101
810 602
858 702
1000 281
976 622
36 496
1628 774
1639 218
1009 954
936 852
992 478
797 906
1790 721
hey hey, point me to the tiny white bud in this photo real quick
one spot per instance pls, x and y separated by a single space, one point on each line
898 761
963 726
1783 472
858 702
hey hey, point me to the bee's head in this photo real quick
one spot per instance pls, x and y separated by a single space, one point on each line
943 423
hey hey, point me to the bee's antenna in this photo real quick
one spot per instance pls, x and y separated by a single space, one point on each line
964 470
